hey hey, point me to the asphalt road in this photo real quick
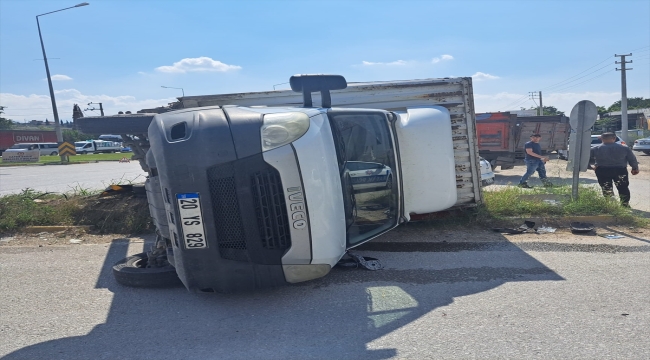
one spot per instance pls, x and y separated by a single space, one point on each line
69 178
505 300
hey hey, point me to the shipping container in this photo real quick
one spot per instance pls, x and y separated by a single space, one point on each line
10 137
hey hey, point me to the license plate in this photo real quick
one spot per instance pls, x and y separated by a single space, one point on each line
489 181
191 219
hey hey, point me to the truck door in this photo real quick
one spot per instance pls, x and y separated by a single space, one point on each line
369 187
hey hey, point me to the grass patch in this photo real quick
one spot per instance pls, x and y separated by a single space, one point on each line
75 159
513 201
122 213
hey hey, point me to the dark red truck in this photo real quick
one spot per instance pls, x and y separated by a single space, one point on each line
10 137
501 136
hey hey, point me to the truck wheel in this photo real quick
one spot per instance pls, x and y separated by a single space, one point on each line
133 271
54 153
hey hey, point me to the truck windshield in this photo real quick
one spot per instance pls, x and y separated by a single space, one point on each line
364 143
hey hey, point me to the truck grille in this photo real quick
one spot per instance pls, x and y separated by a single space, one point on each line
250 213
271 210
227 219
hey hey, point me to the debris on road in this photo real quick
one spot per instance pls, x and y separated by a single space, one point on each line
351 260
526 227
545 230
612 236
582 228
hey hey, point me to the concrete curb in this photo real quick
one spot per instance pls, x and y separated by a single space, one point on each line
566 220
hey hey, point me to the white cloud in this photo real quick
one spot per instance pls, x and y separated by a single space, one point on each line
505 101
59 77
480 76
393 63
39 107
444 57
200 64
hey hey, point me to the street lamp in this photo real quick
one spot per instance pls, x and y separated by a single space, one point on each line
169 87
57 124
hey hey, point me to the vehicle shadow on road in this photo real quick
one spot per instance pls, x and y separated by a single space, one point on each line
344 315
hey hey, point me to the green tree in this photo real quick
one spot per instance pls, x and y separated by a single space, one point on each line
549 110
74 135
4 122
632 103
601 110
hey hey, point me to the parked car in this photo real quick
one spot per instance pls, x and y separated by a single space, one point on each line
44 148
595 141
369 175
487 175
642 145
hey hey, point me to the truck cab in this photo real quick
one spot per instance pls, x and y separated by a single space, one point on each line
254 197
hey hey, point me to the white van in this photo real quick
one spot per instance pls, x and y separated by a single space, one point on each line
108 137
44 148
97 146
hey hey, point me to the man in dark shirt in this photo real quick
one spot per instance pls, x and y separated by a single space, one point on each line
534 162
611 160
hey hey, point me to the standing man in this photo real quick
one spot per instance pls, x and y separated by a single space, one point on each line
534 162
611 160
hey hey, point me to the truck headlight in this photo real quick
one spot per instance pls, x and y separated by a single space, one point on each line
282 128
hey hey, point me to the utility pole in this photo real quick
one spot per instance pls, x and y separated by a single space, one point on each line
101 108
537 95
624 134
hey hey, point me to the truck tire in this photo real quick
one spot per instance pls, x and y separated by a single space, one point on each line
54 153
132 271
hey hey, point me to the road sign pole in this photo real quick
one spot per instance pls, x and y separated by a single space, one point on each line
583 116
578 150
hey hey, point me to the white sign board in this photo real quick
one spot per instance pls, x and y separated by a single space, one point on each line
21 156
583 116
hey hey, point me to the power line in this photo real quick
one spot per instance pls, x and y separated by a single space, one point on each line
519 104
643 47
576 79
586 81
515 102
580 73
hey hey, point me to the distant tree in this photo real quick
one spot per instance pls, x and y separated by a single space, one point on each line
601 110
4 122
552 110
548 110
605 124
47 122
632 103
74 135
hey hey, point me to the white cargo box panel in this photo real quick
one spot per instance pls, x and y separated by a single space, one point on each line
455 94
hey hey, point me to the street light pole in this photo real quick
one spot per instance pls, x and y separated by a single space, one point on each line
57 124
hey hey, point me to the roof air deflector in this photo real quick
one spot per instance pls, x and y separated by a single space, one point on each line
319 82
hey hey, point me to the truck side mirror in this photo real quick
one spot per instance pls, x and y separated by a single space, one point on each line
318 82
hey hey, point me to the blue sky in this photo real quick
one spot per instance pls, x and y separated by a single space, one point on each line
121 52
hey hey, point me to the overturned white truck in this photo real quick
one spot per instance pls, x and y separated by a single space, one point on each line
261 189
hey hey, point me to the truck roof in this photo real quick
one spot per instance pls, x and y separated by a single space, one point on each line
388 95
